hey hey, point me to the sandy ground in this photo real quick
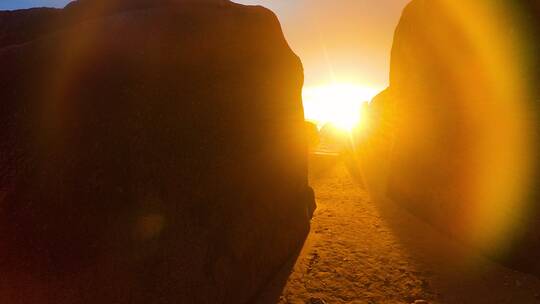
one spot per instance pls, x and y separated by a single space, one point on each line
364 250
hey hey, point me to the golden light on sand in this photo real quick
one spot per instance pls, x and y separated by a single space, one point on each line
338 104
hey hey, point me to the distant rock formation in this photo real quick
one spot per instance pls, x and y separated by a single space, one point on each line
463 103
312 135
150 152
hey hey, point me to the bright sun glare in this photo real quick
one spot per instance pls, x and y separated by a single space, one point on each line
338 104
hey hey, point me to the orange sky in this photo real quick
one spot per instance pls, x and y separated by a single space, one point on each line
350 39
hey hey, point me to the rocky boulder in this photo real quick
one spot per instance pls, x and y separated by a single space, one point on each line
150 152
464 113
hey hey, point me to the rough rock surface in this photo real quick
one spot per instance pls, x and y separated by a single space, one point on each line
151 152
463 102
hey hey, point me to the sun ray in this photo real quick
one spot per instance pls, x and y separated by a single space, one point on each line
339 104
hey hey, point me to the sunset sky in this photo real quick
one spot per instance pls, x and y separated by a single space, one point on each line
345 41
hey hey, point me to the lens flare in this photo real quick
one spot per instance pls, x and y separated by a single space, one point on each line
465 135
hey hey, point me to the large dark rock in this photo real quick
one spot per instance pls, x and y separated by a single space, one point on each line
151 152
463 105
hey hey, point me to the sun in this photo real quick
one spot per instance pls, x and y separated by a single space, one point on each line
338 104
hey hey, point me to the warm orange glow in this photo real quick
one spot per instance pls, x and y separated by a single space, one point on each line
487 114
339 104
